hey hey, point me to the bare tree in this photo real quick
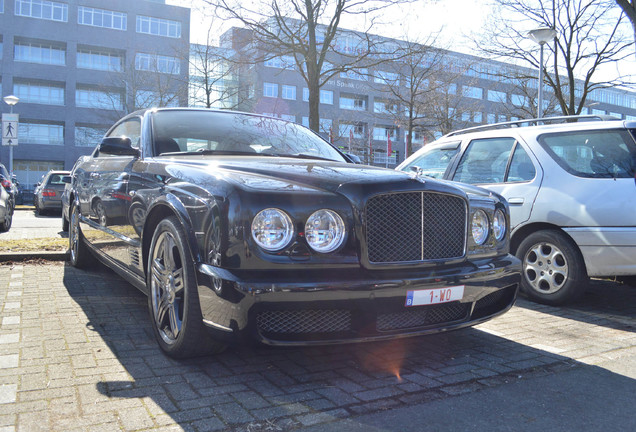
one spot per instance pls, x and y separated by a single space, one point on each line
629 8
295 28
588 37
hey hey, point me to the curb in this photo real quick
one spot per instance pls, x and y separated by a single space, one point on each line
25 256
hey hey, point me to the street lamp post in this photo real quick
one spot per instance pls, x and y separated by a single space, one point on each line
541 36
11 100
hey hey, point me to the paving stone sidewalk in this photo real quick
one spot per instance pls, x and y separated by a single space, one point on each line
77 354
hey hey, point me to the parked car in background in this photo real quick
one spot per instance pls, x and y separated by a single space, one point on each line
9 186
571 190
240 226
48 195
7 205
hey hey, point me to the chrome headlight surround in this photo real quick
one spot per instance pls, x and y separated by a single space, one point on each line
272 229
499 225
324 231
479 227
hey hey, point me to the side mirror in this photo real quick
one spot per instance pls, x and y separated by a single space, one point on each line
353 158
118 146
66 179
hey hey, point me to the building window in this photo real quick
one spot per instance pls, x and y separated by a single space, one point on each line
518 100
270 90
149 99
359 74
388 78
282 62
41 133
42 9
93 98
492 118
289 92
305 94
496 96
385 107
158 26
478 117
381 133
99 60
326 97
353 102
39 93
473 92
89 136
43 53
157 63
1 6
101 18
347 129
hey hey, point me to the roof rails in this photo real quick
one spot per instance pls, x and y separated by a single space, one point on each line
534 122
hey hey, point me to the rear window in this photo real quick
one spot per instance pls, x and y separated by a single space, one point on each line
55 179
593 154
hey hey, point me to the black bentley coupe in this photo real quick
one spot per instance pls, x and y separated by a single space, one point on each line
240 226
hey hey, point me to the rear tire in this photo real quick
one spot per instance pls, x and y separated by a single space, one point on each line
80 256
173 300
553 270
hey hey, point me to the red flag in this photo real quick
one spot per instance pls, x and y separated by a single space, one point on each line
389 150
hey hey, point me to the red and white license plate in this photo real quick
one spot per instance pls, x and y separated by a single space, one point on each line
434 296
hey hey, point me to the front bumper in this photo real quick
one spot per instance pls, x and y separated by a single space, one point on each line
329 307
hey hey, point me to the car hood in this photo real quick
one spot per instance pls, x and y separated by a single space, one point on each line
289 174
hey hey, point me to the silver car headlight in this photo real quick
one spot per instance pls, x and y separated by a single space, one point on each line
272 229
479 227
324 231
499 224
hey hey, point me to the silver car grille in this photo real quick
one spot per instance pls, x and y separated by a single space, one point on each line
415 226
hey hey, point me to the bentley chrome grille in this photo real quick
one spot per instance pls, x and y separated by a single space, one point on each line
415 226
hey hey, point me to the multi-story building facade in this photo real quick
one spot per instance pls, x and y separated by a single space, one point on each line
78 65
360 113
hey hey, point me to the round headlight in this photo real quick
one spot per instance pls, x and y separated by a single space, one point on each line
272 229
499 225
324 231
480 227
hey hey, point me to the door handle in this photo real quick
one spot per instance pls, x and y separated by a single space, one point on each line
515 201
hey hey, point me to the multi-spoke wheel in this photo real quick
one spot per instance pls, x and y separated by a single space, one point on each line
81 257
553 269
172 295
100 213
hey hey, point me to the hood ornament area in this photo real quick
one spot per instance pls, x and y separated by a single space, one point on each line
417 174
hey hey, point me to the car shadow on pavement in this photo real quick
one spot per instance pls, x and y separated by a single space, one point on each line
605 303
256 388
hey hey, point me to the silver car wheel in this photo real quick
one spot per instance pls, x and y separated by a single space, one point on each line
545 268
167 288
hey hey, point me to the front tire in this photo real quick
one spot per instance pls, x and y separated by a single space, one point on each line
553 270
173 300
80 256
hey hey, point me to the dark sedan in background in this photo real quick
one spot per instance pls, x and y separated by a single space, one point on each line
240 226
48 195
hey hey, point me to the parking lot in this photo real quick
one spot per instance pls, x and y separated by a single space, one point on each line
77 354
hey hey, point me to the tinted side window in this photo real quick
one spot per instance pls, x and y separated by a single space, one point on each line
521 167
130 128
485 161
435 162
596 154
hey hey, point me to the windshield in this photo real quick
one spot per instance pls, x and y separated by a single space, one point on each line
210 132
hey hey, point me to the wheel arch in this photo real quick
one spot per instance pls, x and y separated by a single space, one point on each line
521 233
166 207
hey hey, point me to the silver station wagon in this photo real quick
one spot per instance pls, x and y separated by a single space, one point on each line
571 188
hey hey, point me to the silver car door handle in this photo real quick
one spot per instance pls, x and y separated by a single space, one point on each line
515 201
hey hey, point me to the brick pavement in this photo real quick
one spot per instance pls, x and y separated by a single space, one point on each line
77 354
